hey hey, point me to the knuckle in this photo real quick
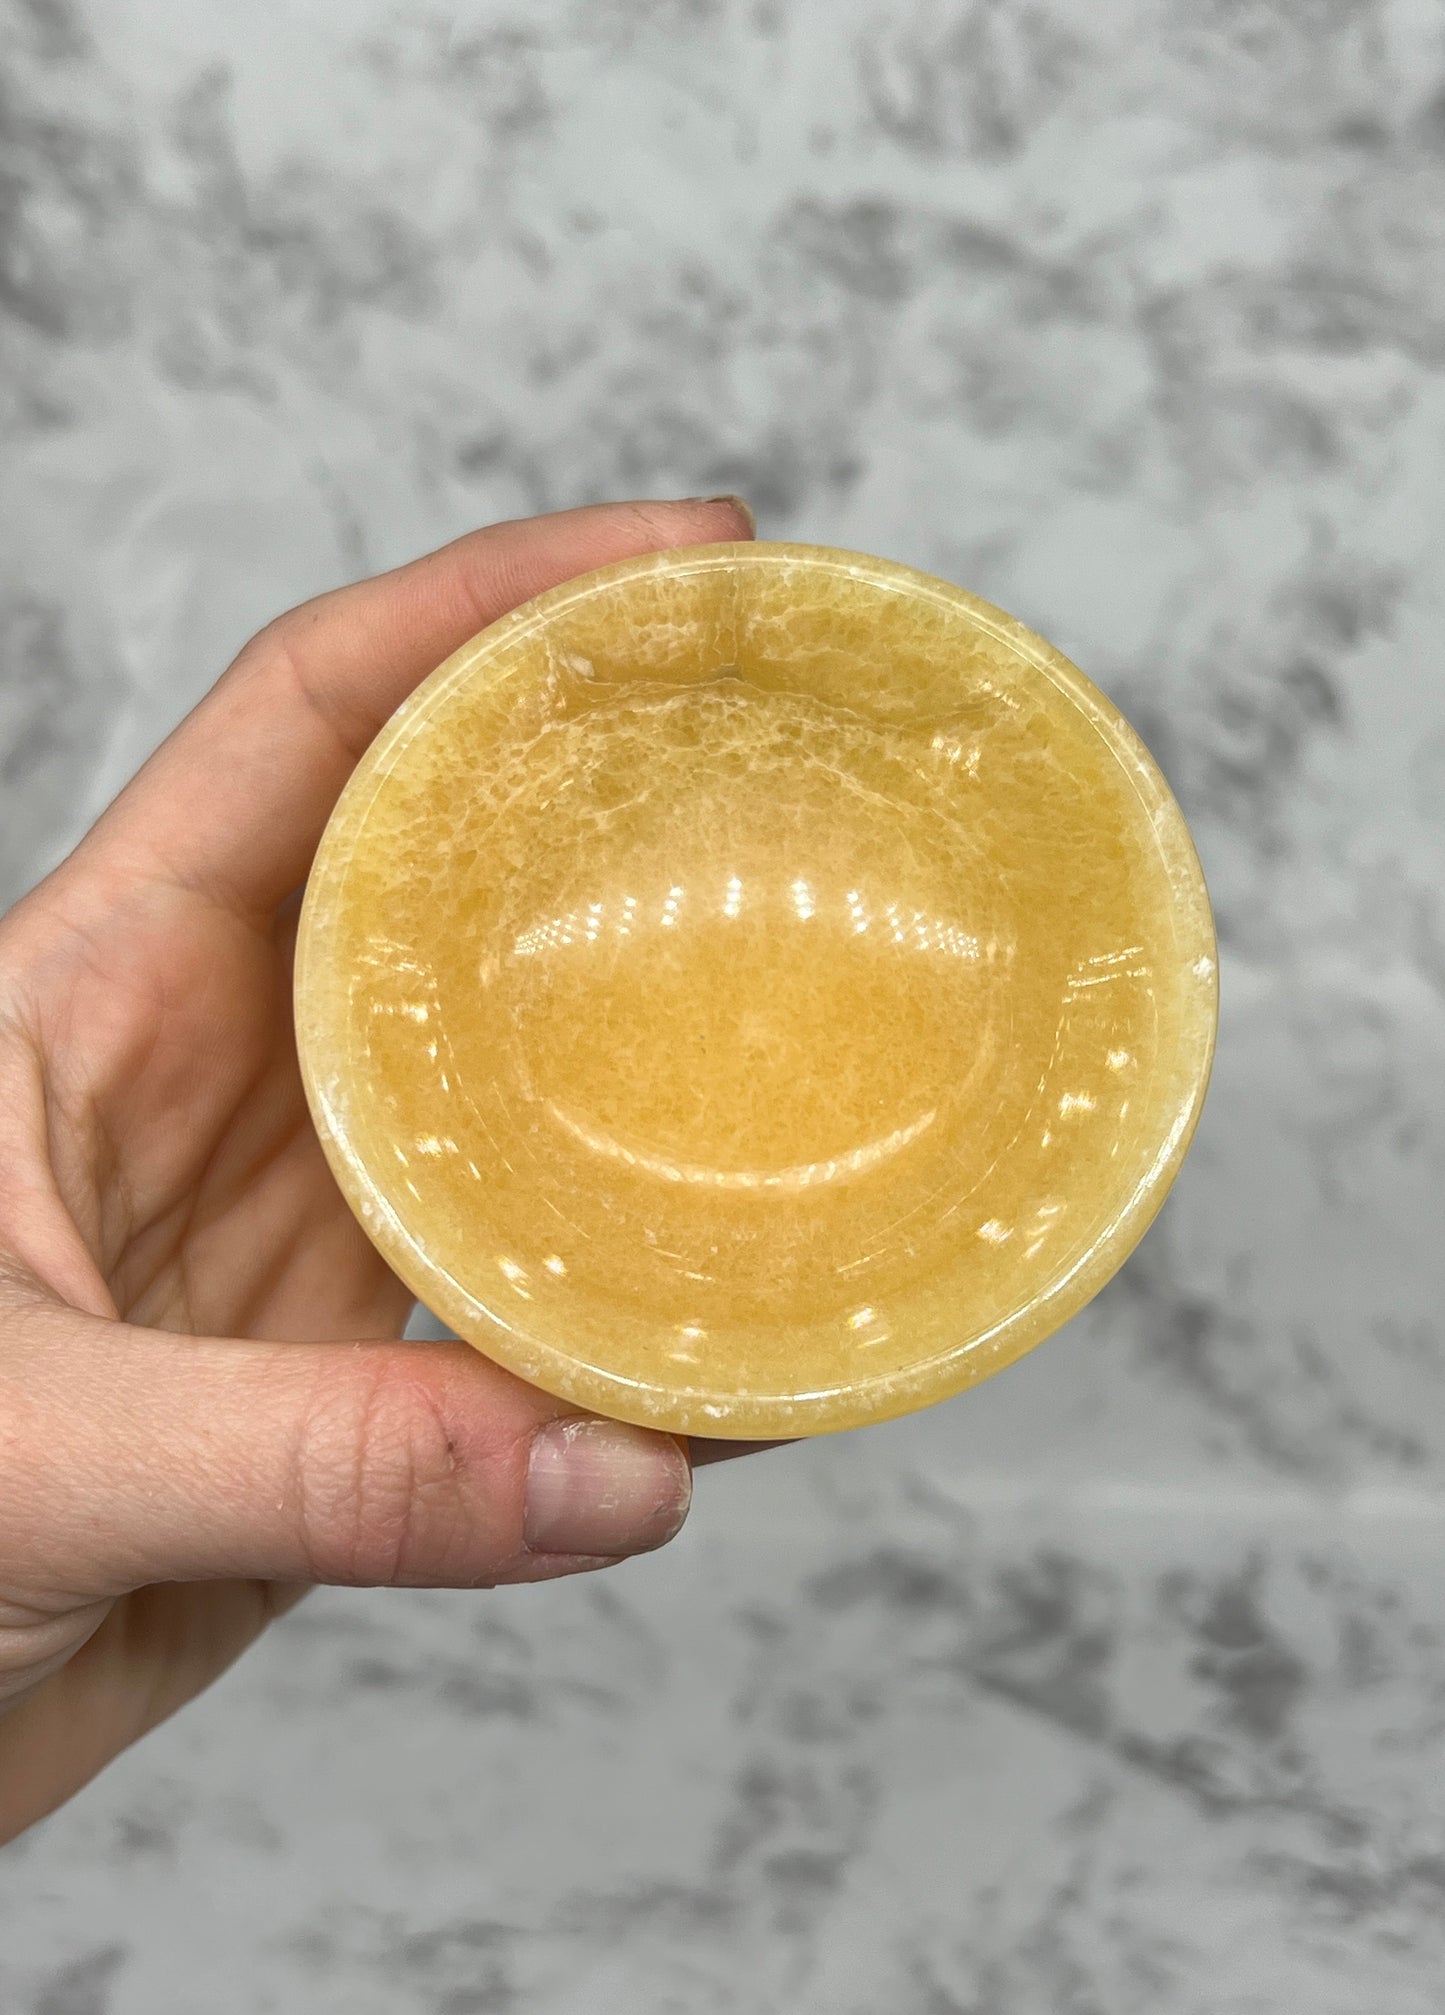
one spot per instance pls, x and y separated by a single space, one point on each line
287 648
380 1483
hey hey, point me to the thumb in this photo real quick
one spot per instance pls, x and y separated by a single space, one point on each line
202 1458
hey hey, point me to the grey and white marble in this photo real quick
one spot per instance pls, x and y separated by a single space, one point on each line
1119 1684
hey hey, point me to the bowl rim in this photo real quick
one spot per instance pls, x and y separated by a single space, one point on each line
855 1401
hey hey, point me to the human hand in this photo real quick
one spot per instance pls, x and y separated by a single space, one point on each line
205 1404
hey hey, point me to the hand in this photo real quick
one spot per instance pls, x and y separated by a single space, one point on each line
205 1404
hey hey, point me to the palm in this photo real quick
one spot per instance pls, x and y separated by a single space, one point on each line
209 1207
213 1209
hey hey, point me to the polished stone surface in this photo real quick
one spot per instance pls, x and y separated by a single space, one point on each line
1115 1684
756 991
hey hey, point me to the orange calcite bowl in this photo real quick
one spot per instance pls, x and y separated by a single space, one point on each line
756 990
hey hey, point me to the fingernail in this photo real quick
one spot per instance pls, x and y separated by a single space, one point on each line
601 1488
740 504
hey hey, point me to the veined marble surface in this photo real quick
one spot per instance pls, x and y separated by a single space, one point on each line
1120 1683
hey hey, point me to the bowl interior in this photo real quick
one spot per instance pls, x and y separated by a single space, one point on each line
756 990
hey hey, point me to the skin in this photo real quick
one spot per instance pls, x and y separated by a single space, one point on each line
205 1402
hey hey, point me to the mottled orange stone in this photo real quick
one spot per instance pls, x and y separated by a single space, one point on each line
756 990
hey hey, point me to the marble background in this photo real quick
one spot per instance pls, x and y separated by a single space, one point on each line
1118 1685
